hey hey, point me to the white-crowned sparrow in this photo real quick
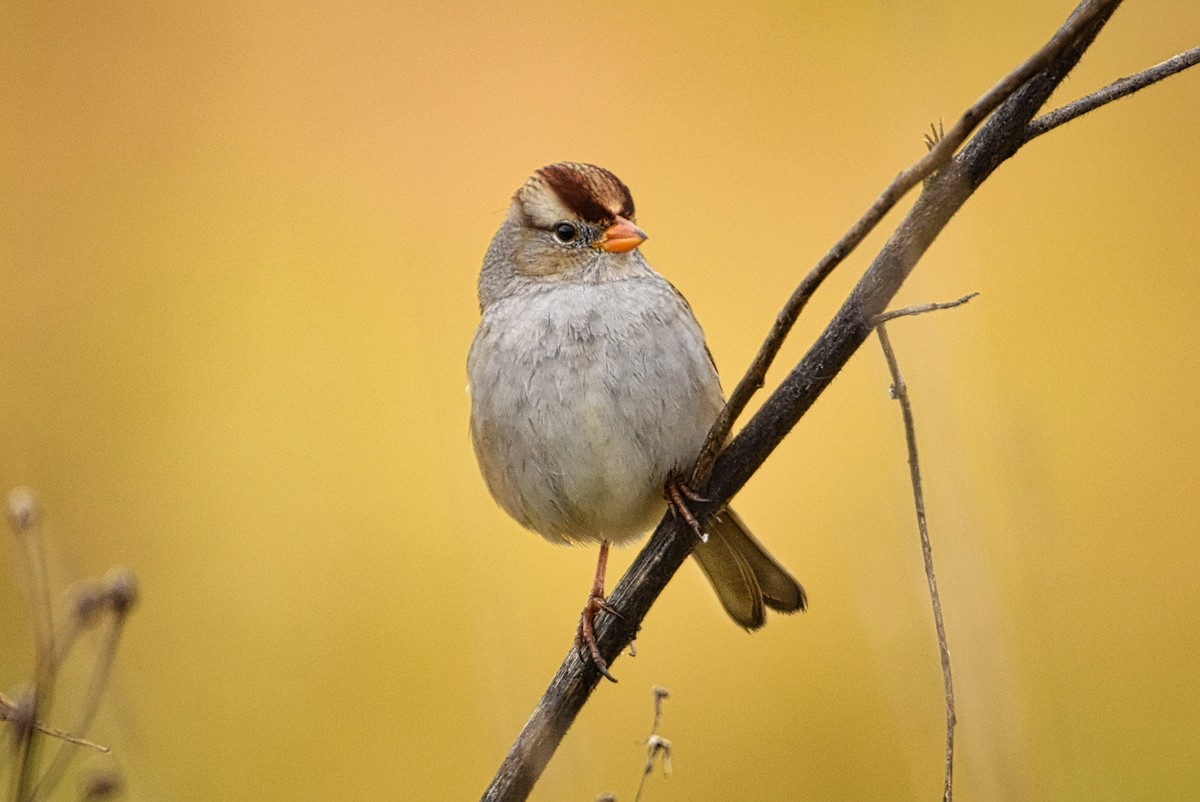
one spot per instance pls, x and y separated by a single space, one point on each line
592 388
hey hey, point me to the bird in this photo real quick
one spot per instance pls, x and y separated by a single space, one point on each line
593 389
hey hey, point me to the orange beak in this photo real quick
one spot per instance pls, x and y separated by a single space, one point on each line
620 237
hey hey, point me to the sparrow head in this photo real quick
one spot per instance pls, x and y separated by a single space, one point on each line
569 222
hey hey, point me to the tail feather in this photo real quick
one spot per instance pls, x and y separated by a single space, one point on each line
746 577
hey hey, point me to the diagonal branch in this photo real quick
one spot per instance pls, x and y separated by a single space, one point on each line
940 153
1015 101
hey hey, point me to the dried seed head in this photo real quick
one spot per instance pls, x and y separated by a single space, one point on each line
102 784
23 509
89 598
122 589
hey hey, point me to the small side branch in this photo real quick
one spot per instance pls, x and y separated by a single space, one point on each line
1114 91
920 309
900 393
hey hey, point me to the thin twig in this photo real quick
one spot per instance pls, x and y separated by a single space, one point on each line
939 154
655 744
900 393
1114 91
12 712
920 309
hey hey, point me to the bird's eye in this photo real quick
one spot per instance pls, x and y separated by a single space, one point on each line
565 232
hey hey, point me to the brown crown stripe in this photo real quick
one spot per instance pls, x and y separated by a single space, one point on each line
591 192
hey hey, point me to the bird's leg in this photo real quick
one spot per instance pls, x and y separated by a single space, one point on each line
586 636
678 494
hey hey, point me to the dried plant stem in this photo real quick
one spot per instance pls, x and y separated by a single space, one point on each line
114 600
28 530
900 393
655 745
101 670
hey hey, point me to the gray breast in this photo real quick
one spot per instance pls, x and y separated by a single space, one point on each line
585 398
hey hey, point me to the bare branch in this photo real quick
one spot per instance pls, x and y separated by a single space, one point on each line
1114 91
941 149
948 183
900 393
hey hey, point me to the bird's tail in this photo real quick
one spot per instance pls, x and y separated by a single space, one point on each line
747 579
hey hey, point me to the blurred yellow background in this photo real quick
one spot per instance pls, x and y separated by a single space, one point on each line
238 250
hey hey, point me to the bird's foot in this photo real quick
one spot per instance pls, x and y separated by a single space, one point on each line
586 634
585 637
678 494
